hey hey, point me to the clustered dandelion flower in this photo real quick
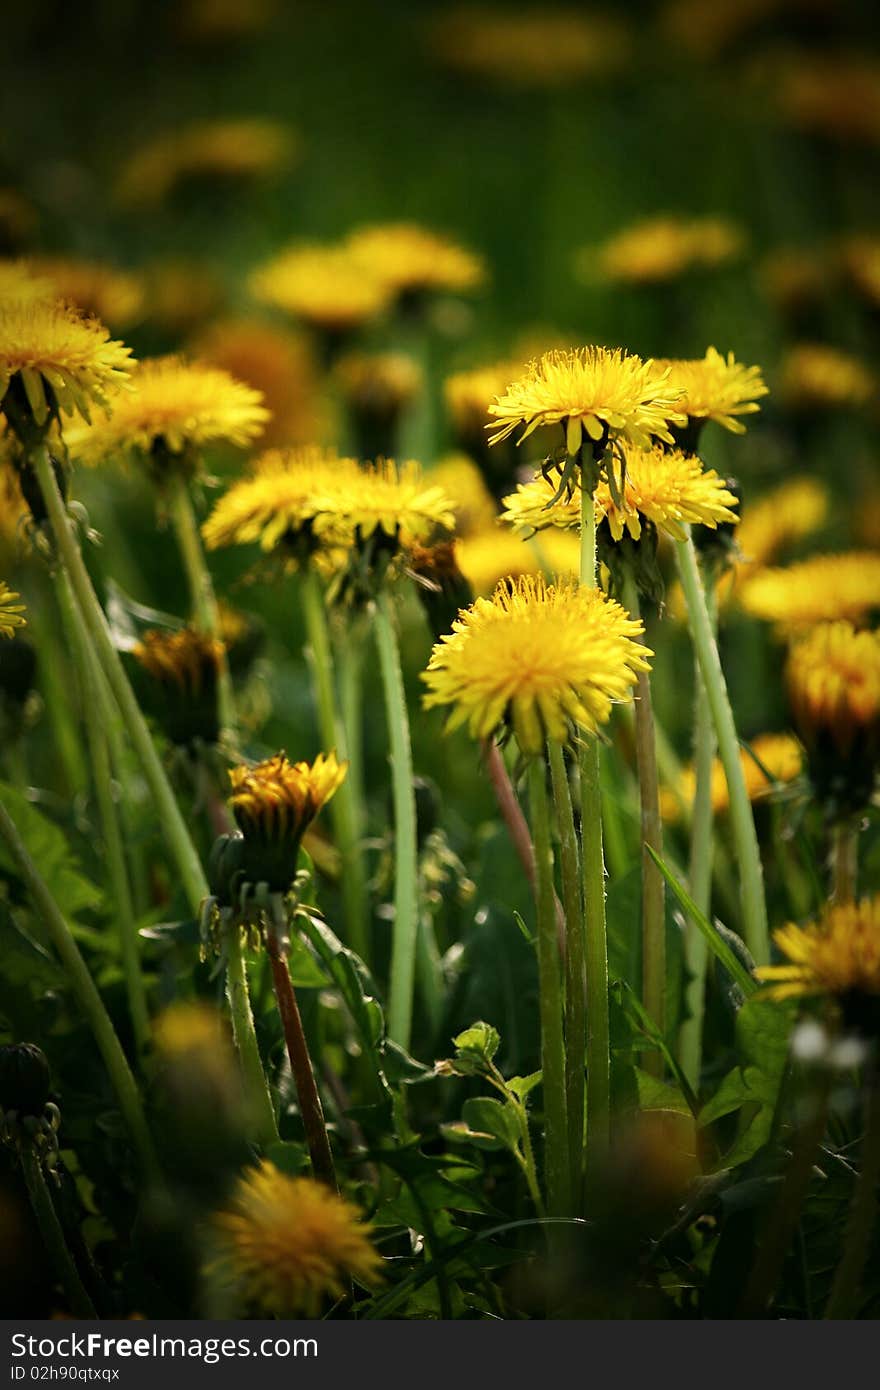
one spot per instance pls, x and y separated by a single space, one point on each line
280 500
603 393
397 499
715 387
541 659
819 589
174 408
769 761
63 361
11 611
838 955
663 248
276 800
284 1245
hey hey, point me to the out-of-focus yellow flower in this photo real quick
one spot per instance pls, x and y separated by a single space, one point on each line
496 553
530 48
277 800
602 393
412 260
324 286
12 504
814 376
716 388
838 955
379 382
836 96
19 280
462 481
859 258
833 682
112 295
397 499
790 513
662 248
544 660
469 394
223 21
229 149
63 361
277 363
821 589
771 760
173 410
286 1245
11 612
184 658
793 277
279 500
180 295
667 489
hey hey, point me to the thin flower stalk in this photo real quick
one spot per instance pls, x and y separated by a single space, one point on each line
575 972
265 1124
754 907
81 1305
516 824
174 826
83 987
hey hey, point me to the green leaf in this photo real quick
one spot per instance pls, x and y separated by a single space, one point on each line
305 972
655 1094
522 1086
716 943
481 1039
48 847
491 1123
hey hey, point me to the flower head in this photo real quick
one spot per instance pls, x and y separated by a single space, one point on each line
595 391
820 589
462 480
277 800
398 500
114 296
412 260
838 955
274 361
469 395
10 611
788 514
174 410
284 1245
324 286
716 388
495 553
377 388
280 500
663 248
542 659
814 376
63 362
833 682
770 760
228 149
184 667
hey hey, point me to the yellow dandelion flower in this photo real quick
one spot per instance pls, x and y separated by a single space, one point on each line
469 394
379 383
412 260
821 589
814 376
277 363
771 760
542 659
277 800
546 47
666 489
398 499
63 361
13 507
174 408
603 393
462 480
322 285
663 248
838 955
285 1245
111 295
20 281
229 149
833 681
183 658
859 258
494 554
716 388
11 612
279 500
790 513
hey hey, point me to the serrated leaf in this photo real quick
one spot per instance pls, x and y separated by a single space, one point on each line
481 1040
48 846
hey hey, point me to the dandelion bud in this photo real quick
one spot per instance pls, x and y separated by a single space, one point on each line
274 803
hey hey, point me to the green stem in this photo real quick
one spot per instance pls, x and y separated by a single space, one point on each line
575 970
406 907
696 951
173 825
259 1099
53 1236
53 677
345 806
204 601
108 811
754 907
556 1153
843 1301
84 989
653 889
593 869
845 861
